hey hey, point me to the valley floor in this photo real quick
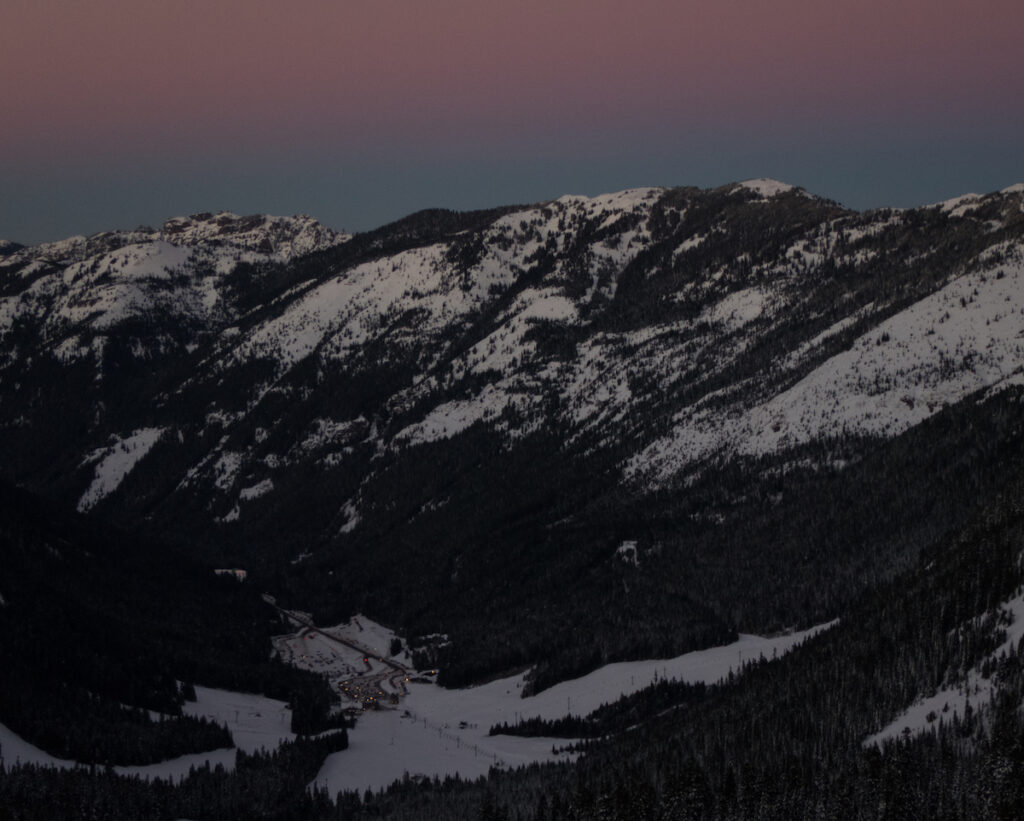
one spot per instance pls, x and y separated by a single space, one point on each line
437 732
429 731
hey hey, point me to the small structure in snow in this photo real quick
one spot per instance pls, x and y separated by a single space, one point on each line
237 572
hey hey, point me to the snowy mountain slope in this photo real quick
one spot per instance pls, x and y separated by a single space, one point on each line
965 337
466 397
84 287
115 462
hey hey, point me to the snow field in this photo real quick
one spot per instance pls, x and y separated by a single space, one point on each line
14 749
439 732
388 745
255 721
432 731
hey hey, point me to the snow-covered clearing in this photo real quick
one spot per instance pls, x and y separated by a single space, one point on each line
433 731
429 731
583 695
14 750
254 721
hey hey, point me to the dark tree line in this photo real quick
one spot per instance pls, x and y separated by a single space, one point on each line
270 785
99 627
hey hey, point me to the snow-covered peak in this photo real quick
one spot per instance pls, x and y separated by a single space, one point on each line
964 203
957 205
71 249
286 236
626 199
166 280
766 187
280 238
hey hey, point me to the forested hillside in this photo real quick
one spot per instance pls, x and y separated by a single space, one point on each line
535 439
459 419
103 636
786 739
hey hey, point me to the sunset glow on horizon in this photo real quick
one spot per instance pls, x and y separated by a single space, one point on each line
253 103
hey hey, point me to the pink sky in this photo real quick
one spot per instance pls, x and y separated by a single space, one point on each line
116 75
159 107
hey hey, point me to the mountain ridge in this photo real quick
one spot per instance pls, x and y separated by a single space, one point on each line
453 391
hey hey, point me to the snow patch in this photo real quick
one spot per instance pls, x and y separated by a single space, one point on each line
957 206
328 431
452 418
247 494
738 308
232 515
351 517
765 187
115 462
226 469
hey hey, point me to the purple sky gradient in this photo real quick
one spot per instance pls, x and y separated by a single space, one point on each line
359 111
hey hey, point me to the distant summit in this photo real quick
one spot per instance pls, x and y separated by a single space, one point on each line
299 234
768 187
